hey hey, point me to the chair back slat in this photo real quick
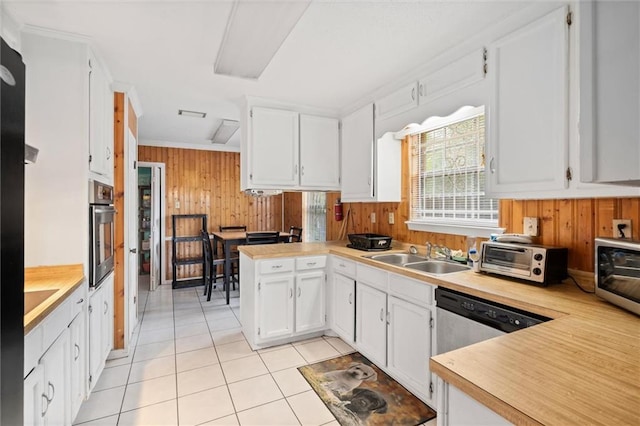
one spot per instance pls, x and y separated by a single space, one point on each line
263 237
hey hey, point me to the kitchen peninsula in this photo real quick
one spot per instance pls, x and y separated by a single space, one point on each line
581 368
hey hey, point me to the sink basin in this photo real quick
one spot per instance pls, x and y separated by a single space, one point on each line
397 258
436 267
33 298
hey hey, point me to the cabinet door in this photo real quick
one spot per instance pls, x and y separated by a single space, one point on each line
56 363
96 361
357 155
409 345
273 148
107 135
397 102
310 310
528 114
319 152
97 149
609 91
275 306
371 323
344 307
107 317
35 400
78 376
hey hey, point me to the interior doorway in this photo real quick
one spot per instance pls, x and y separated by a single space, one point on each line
314 216
151 224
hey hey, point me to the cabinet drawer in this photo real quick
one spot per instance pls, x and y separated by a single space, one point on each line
312 262
32 349
411 290
78 300
56 322
276 266
345 267
374 277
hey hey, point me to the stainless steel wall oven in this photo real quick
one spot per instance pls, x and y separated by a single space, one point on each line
101 232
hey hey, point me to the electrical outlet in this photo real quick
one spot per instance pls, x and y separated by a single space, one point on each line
530 226
392 219
622 228
373 217
177 205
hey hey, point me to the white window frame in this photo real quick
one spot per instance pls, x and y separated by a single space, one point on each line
470 227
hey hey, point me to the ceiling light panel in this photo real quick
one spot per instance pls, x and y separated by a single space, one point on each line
255 31
224 132
194 114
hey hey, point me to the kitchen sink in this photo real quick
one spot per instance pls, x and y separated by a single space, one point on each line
34 298
436 267
397 258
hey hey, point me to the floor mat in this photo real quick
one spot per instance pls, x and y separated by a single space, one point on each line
358 393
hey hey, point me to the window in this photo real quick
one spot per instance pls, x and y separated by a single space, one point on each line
448 175
314 222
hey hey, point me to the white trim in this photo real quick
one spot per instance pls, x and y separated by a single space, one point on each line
455 229
63 35
163 199
436 122
132 94
203 147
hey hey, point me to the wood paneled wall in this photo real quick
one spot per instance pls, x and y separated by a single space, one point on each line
567 222
292 210
209 182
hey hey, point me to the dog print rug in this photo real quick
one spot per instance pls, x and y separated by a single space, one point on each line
358 393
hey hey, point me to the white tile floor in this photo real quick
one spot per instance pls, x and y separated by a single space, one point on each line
191 365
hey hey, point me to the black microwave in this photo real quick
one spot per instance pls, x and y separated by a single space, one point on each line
617 272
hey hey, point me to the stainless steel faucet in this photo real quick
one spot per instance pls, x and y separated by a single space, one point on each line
443 251
428 256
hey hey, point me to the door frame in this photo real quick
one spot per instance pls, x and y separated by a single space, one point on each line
163 221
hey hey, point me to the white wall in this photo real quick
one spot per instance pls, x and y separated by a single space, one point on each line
9 29
56 186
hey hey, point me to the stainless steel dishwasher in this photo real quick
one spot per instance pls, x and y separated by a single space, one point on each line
463 320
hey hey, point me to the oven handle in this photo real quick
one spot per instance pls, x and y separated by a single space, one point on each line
103 209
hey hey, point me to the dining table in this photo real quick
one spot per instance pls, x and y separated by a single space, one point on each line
229 239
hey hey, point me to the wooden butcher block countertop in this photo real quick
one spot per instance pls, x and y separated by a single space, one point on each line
583 367
62 280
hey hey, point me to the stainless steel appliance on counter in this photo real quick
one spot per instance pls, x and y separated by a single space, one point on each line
464 320
101 232
617 272
536 264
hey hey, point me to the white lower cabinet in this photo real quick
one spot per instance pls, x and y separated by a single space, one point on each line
455 408
371 323
409 345
79 358
344 306
100 328
283 300
46 388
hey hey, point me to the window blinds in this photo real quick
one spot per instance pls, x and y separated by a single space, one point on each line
448 175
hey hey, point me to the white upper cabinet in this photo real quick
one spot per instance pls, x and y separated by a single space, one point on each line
357 155
610 92
289 150
319 152
397 102
274 148
100 120
528 114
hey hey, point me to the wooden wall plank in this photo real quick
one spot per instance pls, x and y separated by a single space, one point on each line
119 194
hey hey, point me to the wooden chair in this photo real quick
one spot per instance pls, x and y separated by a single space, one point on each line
270 237
235 255
295 234
211 264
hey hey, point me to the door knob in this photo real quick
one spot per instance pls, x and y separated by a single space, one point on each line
133 250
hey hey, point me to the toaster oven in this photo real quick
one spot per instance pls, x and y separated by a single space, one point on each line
536 264
617 271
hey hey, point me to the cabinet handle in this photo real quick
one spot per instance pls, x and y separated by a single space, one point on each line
311 263
421 89
53 390
45 405
299 291
80 301
351 298
302 171
381 314
108 153
276 267
342 265
413 94
77 348
106 307
290 293
369 181
296 170
492 168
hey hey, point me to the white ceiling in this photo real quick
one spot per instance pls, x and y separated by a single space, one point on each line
338 53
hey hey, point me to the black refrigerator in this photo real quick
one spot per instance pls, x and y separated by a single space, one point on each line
12 99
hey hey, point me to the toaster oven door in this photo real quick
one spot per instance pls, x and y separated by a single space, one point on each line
618 272
507 260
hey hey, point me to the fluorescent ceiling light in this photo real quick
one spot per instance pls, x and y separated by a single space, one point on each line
224 132
194 114
255 31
